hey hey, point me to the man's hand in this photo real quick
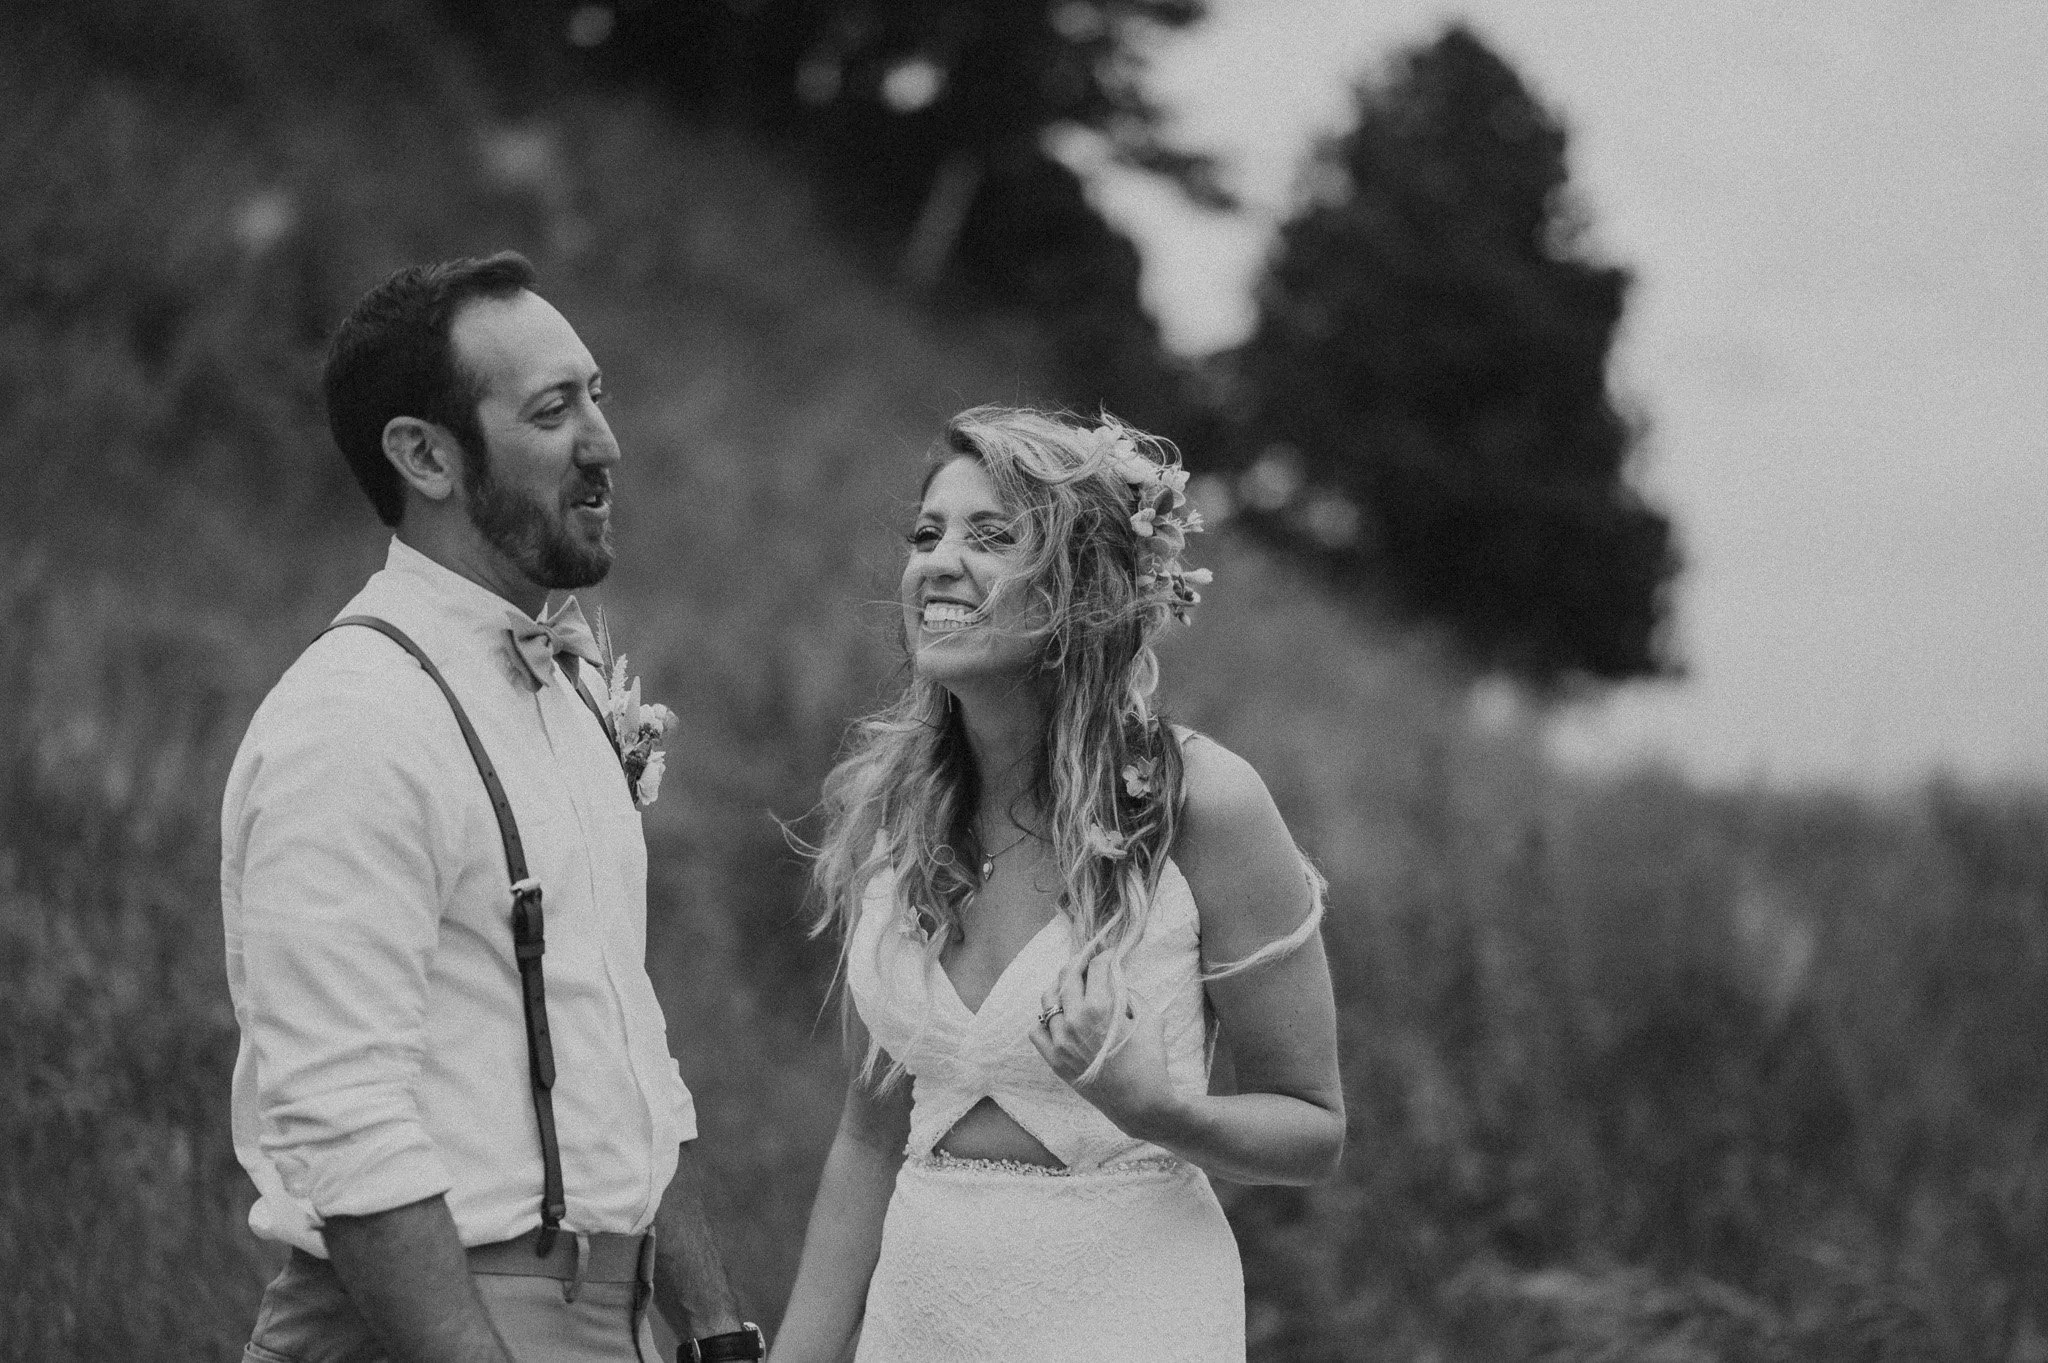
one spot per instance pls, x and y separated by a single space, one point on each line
689 1276
405 1270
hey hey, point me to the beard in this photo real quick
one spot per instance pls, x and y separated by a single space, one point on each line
533 535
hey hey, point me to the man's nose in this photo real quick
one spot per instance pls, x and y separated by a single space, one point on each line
599 446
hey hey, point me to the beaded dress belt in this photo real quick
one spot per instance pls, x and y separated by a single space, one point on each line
938 1161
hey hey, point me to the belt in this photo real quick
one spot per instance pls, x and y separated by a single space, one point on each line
574 1259
596 1257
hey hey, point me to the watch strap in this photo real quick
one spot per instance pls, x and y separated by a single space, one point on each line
745 1343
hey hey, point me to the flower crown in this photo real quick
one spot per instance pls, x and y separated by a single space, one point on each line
1163 520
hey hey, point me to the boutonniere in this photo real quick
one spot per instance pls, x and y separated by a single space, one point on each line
637 726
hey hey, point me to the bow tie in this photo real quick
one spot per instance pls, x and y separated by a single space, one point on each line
539 642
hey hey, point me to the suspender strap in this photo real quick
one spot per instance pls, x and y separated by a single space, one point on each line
529 941
569 662
590 705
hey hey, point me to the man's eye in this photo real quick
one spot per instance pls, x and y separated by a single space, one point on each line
599 396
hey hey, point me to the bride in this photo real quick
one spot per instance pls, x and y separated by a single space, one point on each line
1051 905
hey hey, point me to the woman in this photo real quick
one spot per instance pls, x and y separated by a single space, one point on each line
1050 903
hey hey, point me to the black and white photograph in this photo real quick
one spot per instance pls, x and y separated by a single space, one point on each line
1024 681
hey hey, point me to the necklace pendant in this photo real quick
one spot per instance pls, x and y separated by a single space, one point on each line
988 868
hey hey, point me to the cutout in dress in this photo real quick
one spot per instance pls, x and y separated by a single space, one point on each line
987 1119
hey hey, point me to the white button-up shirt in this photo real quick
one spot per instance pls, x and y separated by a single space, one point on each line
369 942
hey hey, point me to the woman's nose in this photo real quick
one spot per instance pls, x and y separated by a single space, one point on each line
944 558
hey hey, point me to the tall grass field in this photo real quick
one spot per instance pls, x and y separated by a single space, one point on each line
1635 1070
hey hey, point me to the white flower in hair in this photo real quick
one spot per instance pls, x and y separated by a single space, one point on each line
1138 775
1162 521
1103 842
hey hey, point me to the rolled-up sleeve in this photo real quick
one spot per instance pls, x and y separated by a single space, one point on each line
339 920
682 1105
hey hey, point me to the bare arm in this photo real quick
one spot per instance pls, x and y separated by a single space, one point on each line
1285 1123
405 1270
845 1235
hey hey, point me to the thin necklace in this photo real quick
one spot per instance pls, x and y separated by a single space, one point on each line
988 863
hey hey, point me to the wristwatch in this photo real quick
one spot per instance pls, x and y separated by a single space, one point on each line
747 1342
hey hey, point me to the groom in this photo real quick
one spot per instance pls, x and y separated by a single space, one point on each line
454 1092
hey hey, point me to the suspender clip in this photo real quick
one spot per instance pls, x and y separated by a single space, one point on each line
529 929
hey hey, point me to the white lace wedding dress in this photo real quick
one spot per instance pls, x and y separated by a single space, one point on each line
1122 1255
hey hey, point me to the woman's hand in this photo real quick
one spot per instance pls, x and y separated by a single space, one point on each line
844 1240
1132 1088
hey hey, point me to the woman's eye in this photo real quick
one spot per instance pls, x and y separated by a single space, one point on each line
994 537
924 537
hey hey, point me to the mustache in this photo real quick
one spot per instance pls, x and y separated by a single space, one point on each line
590 481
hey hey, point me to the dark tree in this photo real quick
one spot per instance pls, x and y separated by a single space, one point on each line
924 123
1423 409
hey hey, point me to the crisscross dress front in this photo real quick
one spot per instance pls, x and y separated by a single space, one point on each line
1123 1254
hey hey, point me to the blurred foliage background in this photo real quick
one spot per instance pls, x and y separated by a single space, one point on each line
1635 1069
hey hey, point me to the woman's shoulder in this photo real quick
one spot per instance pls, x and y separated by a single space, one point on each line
1246 874
1217 785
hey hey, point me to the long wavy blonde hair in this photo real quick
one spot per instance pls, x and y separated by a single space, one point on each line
1101 580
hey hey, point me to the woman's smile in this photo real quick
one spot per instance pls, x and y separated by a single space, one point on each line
943 617
958 621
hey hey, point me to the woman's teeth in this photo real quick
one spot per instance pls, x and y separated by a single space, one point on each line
942 615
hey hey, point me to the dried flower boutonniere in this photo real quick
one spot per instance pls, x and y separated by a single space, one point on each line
637 726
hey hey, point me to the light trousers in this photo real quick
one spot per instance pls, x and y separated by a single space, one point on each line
307 1317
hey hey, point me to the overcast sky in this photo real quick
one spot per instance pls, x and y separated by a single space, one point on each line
1838 220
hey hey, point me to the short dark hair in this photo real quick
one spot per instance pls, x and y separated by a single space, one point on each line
393 357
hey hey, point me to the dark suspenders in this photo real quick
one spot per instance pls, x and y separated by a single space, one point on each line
529 942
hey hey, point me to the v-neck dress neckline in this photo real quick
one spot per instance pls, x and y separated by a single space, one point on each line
1010 967
958 1055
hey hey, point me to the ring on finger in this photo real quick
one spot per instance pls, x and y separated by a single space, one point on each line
1045 1018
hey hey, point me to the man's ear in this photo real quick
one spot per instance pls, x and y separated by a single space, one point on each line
424 454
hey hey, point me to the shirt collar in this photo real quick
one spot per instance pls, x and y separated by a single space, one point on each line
449 590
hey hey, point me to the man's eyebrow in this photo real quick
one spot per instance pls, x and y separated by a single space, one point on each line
566 385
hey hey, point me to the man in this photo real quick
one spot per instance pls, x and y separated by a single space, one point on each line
386 1099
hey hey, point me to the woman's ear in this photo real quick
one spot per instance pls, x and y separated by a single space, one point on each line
424 455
